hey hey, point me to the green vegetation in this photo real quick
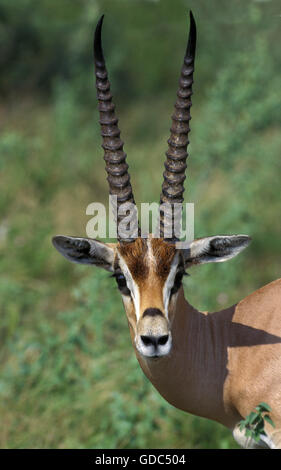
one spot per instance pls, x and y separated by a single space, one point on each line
69 377
253 424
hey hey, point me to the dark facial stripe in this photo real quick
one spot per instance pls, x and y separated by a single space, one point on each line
178 277
116 264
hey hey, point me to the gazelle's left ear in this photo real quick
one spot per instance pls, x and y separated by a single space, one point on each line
85 251
214 249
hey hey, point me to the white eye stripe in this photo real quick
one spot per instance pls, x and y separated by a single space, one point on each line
131 285
169 283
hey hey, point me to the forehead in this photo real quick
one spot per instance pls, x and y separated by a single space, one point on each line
146 254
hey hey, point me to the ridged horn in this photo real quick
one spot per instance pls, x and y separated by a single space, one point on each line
117 169
175 164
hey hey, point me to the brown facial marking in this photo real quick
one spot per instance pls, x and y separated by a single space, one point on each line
134 255
164 253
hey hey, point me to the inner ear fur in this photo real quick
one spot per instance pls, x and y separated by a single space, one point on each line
86 251
214 249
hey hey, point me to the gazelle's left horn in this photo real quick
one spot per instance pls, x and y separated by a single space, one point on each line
115 158
175 164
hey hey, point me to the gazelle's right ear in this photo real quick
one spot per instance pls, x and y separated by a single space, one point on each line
85 251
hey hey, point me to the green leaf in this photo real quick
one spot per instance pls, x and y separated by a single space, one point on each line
262 406
252 417
259 428
269 420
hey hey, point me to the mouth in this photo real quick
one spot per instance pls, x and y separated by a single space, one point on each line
153 357
156 357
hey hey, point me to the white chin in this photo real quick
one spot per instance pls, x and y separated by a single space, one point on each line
150 352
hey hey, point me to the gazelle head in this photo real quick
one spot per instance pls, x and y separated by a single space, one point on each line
148 271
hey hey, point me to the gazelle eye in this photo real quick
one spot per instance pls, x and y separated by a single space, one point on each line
122 283
120 279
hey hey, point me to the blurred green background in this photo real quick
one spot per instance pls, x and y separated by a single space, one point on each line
68 376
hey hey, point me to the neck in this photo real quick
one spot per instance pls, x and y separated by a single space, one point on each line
192 377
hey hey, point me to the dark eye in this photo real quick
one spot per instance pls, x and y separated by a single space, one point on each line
122 284
177 282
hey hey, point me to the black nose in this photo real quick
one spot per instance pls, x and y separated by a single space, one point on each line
155 340
152 312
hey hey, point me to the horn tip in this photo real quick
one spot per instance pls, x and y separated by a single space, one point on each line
191 46
98 52
99 23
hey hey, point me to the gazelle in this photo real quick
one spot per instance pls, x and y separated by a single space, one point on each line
219 365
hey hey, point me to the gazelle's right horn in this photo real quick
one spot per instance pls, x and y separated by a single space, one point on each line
175 164
115 158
